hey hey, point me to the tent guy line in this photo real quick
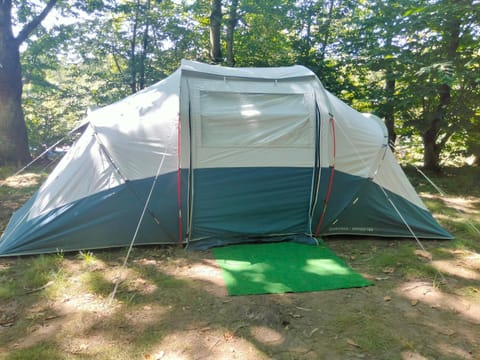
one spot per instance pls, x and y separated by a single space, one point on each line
443 194
111 297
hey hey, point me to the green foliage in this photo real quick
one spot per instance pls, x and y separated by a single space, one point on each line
116 48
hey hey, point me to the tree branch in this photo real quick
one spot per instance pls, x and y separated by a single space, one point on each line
32 25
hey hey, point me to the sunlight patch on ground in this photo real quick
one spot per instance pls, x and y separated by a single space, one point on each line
206 271
453 351
142 286
22 181
206 343
451 268
426 293
148 315
410 355
83 302
5 266
266 335
119 274
468 205
87 345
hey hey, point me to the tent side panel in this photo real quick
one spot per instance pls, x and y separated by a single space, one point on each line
103 220
369 212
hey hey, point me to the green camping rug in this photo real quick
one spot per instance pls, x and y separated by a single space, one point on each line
275 268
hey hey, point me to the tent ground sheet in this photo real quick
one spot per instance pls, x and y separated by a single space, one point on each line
283 267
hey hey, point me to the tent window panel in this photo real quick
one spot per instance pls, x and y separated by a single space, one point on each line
246 119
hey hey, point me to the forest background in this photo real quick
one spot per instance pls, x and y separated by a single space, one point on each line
416 64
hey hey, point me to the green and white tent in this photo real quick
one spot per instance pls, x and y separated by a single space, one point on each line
214 155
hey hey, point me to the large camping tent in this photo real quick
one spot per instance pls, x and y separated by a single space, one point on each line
214 155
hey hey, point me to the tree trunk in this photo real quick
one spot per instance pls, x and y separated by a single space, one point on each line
476 162
133 49
326 30
432 149
232 23
145 43
13 133
215 27
388 109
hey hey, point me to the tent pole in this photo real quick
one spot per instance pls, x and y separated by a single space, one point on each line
332 174
317 171
179 184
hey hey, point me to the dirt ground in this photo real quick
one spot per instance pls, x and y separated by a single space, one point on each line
172 304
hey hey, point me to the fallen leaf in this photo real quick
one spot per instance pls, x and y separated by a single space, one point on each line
353 343
423 254
302 308
380 278
147 356
448 332
228 335
388 270
414 302
309 335
387 298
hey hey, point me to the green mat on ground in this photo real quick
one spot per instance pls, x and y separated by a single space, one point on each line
275 268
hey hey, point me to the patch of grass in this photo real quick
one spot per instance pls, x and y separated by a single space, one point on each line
87 257
393 256
7 283
403 261
31 274
376 338
41 351
90 262
419 271
97 283
40 270
7 289
159 278
343 321
471 292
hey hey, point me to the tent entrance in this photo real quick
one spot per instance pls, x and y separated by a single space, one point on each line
252 162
